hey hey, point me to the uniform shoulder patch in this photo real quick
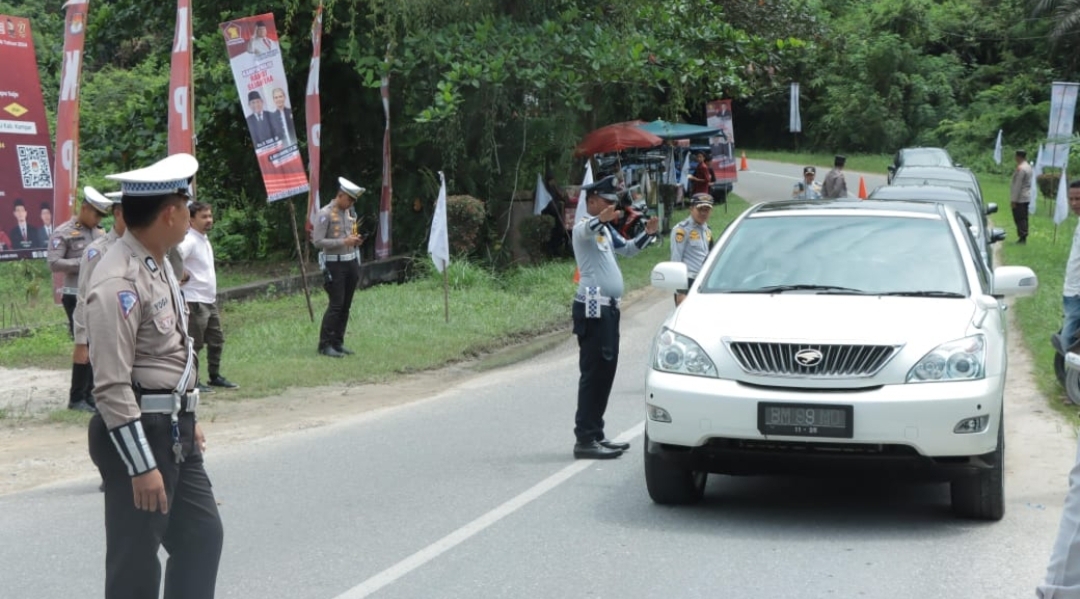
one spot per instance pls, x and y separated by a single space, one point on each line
56 242
680 235
694 235
128 299
322 218
91 254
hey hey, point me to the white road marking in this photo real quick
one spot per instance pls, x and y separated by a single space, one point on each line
459 536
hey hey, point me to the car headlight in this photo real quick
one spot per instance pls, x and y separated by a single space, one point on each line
676 353
960 360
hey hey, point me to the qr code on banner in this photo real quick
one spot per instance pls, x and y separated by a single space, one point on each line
34 166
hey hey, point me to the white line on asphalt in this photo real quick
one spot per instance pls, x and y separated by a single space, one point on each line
773 175
459 536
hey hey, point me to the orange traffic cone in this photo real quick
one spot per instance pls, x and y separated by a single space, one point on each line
577 275
742 165
862 188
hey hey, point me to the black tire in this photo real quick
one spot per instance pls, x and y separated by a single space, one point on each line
669 485
1059 368
982 496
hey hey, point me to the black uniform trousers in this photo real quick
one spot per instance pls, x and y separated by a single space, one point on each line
69 301
1020 217
598 342
191 531
344 277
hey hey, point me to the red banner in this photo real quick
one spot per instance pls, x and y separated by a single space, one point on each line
718 115
383 243
67 113
255 57
26 181
181 108
314 120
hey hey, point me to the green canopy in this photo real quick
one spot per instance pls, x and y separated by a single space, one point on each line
666 130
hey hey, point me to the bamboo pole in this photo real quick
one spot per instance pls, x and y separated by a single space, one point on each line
300 259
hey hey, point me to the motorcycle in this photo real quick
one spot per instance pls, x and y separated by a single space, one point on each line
1067 366
634 215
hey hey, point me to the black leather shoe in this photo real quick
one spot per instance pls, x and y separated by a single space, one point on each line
614 445
82 406
219 381
345 350
594 451
331 352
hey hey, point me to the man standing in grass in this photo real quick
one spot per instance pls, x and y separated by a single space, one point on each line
339 258
596 314
1020 195
835 186
200 293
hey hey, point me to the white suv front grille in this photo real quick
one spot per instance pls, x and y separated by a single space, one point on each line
811 360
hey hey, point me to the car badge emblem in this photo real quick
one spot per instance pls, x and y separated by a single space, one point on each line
809 357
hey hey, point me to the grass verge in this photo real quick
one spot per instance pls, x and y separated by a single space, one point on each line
394 329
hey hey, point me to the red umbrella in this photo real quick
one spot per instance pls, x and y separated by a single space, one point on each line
615 138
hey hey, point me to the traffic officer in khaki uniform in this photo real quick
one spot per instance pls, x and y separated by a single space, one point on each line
145 439
87 262
66 247
691 241
596 313
339 243
808 188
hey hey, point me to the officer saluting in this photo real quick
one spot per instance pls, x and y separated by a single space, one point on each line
691 241
339 256
66 247
596 314
145 439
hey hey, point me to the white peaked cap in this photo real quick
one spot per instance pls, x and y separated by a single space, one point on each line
351 189
100 203
171 175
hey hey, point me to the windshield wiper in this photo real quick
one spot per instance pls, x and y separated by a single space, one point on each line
801 287
924 293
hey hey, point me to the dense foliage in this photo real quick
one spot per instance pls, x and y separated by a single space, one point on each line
493 91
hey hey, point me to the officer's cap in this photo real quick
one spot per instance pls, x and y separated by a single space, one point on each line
809 170
701 199
100 203
606 188
840 160
115 196
166 177
349 188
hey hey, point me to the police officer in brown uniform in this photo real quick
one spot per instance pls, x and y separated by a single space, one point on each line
835 186
339 257
145 439
90 258
66 247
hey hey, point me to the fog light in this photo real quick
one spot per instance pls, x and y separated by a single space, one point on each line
977 424
657 414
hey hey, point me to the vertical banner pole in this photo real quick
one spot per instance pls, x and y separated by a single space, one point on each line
446 292
300 258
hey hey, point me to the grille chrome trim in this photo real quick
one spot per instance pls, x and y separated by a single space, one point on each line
838 360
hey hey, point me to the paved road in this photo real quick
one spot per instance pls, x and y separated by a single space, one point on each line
473 494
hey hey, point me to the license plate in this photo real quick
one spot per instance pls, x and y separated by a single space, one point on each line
806 420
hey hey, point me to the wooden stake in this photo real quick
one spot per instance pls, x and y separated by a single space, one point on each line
446 290
300 259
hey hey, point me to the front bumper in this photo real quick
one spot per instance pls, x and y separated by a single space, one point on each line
908 423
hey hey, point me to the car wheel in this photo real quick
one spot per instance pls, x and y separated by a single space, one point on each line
982 496
669 485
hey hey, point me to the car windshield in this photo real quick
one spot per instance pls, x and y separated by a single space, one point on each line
926 158
915 179
842 254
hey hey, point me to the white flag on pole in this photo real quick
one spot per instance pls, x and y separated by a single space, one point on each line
1035 172
1061 208
543 198
795 124
581 212
997 148
684 175
439 241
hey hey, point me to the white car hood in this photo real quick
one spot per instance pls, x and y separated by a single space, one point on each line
795 316
915 325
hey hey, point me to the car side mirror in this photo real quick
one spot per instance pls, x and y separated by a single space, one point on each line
670 276
957 165
1014 281
997 234
991 208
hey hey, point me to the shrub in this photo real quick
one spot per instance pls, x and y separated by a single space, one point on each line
465 218
535 231
1048 183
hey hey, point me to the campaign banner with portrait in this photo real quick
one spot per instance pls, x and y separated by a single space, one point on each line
718 116
26 180
255 57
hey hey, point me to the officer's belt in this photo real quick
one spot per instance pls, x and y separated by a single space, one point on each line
340 257
69 291
614 302
164 401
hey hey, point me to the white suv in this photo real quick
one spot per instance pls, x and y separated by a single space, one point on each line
825 336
